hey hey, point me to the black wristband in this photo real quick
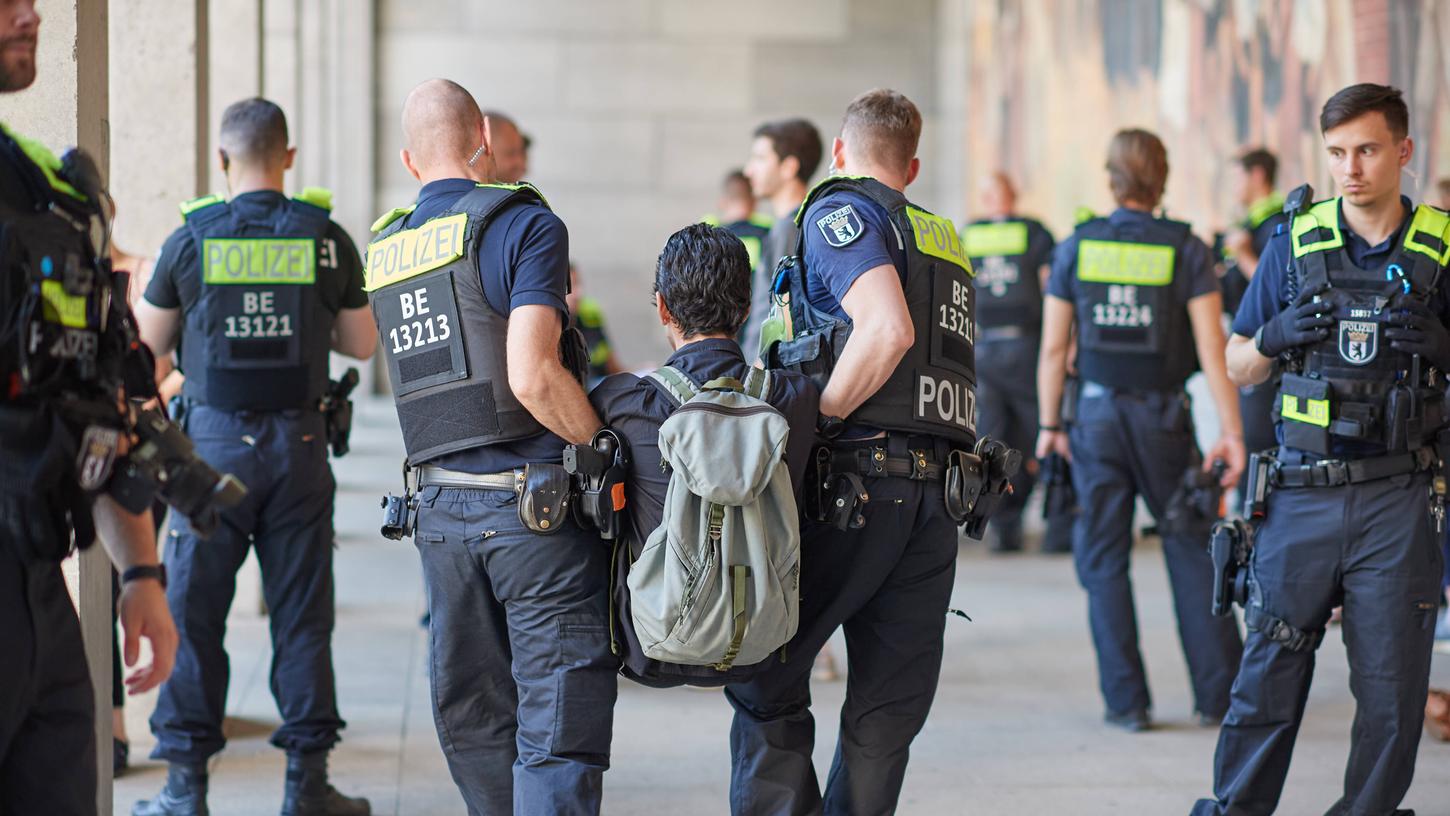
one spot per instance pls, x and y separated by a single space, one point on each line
157 571
1050 428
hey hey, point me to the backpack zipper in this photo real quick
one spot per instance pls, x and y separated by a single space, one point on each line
724 411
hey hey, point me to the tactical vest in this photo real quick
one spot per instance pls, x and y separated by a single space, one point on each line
751 232
1009 292
258 337
1353 386
56 302
933 389
444 344
1133 329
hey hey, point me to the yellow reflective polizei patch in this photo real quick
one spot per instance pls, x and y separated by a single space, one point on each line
937 237
1121 262
252 261
995 240
411 252
1300 409
59 307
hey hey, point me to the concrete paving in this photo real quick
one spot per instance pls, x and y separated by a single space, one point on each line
1016 728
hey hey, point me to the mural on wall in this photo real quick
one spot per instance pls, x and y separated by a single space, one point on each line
1051 80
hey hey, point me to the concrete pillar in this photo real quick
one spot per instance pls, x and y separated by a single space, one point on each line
159 116
67 105
234 68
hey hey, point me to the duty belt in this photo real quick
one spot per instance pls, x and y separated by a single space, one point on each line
1339 472
877 462
433 476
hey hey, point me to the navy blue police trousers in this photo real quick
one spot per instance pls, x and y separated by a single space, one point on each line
888 586
47 713
281 457
1125 445
1372 548
1007 410
522 673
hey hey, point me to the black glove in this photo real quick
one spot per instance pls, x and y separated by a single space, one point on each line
1417 330
1303 323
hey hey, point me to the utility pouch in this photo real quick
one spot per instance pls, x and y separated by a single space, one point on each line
1258 484
846 500
1399 409
962 485
1304 408
398 516
544 494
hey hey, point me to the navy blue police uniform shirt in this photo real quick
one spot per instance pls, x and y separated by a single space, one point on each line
176 279
835 258
1193 276
635 408
1268 295
523 260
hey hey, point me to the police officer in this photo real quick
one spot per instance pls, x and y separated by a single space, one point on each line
1263 206
1011 255
738 215
874 277
49 391
1143 297
587 315
255 290
1352 297
467 287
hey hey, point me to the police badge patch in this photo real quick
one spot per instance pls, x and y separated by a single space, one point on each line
1358 341
840 227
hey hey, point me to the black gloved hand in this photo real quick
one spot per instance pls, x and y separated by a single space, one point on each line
1307 321
1414 329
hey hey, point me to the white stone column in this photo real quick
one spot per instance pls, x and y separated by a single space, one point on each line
158 116
234 67
66 106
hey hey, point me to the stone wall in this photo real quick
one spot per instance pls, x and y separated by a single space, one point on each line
637 108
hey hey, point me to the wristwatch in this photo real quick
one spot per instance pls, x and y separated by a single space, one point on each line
157 571
1259 341
830 427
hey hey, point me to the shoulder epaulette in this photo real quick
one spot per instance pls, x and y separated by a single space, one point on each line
391 215
761 220
189 207
319 197
1082 215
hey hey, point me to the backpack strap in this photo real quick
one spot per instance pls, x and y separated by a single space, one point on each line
757 383
674 383
739 588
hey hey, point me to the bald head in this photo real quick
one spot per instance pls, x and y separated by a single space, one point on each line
996 195
442 125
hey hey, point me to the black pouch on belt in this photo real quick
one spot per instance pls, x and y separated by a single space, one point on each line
544 495
962 485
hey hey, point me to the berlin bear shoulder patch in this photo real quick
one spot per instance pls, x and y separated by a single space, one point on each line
841 226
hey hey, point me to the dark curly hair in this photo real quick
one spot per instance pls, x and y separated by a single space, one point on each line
703 275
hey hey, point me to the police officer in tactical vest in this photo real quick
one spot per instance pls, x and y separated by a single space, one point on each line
1142 294
1011 255
1352 299
254 291
59 376
877 306
467 286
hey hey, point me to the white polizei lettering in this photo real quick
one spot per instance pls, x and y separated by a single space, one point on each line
952 402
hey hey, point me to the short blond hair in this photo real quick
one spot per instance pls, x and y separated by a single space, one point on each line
1137 166
884 127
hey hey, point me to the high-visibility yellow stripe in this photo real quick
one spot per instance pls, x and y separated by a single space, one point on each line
1123 262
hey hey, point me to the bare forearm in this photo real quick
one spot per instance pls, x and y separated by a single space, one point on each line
129 538
1246 366
858 374
559 403
1051 373
1203 313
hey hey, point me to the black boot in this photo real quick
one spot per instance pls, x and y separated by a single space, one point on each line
184 794
309 794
